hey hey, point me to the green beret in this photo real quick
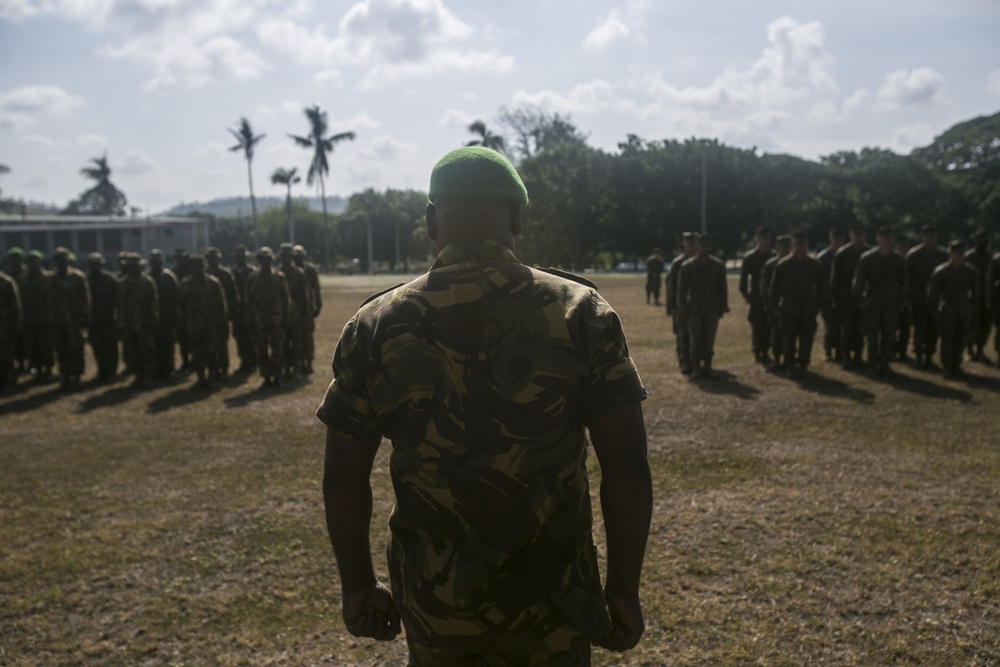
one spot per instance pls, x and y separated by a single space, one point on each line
72 256
15 252
475 173
36 254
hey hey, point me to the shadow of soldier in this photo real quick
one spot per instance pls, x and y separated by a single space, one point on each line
725 383
183 396
922 387
262 393
825 386
987 382
113 396
10 405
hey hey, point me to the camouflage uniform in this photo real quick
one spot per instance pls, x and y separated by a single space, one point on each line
702 298
831 321
138 311
777 341
69 312
920 264
35 329
979 259
165 339
879 285
299 314
267 294
243 327
797 292
315 304
10 324
682 342
654 269
202 312
954 296
842 294
480 373
233 309
103 330
181 271
750 288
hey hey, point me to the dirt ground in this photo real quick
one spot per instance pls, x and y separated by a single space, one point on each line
838 519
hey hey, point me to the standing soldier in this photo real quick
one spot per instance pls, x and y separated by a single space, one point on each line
797 293
138 310
921 260
702 298
831 320
654 270
315 302
15 270
845 263
299 310
202 305
243 325
993 296
166 316
777 342
979 258
181 271
268 298
69 312
750 288
225 276
35 330
103 330
953 297
10 325
905 324
878 290
689 244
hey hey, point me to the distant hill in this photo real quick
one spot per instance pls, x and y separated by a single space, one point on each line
231 207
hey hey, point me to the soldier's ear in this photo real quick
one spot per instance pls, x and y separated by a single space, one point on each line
430 215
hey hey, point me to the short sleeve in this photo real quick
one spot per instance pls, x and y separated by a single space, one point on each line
612 379
347 407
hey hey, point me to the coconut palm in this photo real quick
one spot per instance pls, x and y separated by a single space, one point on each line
102 199
287 177
321 144
246 141
486 137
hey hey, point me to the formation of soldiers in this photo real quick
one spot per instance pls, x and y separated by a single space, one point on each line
877 298
145 318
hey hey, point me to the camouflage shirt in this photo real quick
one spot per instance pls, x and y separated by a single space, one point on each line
481 373
138 307
69 299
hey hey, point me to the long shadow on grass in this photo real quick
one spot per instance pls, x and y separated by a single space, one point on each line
820 384
918 385
113 396
31 401
261 393
982 382
179 398
724 382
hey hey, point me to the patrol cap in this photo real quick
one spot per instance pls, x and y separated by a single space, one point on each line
15 252
476 173
957 245
763 231
197 258
156 253
800 235
98 258
784 240
265 253
299 251
212 251
704 240
61 253
884 232
36 254
928 229
239 247
980 235
837 233
690 236
180 252
285 249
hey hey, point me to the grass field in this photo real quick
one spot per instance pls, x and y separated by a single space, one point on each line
839 520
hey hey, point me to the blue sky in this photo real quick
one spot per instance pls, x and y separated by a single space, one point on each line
156 83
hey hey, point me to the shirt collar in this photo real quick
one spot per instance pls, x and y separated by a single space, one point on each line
473 249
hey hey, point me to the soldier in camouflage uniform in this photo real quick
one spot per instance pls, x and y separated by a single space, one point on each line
267 298
797 293
138 311
879 286
181 271
299 310
852 340
233 306
10 328
165 339
243 325
953 297
784 248
920 262
654 269
979 258
35 329
202 312
753 263
15 271
69 315
831 321
702 299
315 305
689 243
103 330
905 326
484 374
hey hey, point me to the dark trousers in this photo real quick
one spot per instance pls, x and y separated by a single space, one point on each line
37 347
702 329
104 343
67 343
760 328
243 332
270 341
852 338
222 348
777 339
163 350
798 330
142 352
956 334
881 320
682 342
903 331
925 332
831 331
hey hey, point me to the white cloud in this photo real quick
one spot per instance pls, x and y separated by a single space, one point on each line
20 107
619 24
907 137
458 118
362 121
37 142
911 88
213 147
91 140
17 10
993 84
137 163
588 97
328 77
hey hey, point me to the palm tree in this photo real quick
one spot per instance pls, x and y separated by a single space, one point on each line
246 142
486 137
318 166
102 199
287 177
